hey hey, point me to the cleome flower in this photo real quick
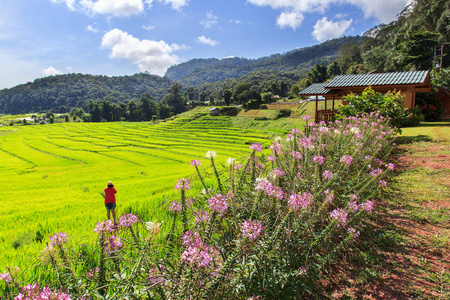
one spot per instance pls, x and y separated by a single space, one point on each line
112 243
299 201
328 175
256 147
183 184
128 220
231 161
340 215
34 292
106 226
6 277
347 159
153 228
176 206
251 229
58 239
210 154
195 163
218 203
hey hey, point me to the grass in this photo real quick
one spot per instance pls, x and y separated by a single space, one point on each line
408 252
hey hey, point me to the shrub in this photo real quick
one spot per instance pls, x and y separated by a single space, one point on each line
272 225
388 105
283 113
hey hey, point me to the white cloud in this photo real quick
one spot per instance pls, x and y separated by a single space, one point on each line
325 30
152 56
116 8
210 20
148 27
176 4
235 21
291 19
69 3
51 71
383 10
91 29
207 41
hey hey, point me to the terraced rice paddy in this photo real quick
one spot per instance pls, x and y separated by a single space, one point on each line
52 176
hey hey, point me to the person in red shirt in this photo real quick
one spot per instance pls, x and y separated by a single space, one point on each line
110 201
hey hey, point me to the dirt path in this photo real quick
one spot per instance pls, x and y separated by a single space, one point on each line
418 264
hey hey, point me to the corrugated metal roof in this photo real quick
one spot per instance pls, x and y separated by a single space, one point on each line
377 79
316 89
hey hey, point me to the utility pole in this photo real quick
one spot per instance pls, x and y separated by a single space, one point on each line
438 56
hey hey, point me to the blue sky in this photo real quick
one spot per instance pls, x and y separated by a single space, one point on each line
39 38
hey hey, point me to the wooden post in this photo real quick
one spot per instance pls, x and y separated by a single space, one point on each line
332 109
325 109
316 115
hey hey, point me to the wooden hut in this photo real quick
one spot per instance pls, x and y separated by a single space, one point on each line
409 83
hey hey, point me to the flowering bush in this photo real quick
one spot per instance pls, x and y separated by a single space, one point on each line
267 228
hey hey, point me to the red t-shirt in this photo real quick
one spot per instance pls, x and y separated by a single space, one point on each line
110 196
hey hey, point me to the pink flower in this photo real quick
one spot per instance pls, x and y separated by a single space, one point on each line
319 159
112 243
106 226
271 158
295 131
201 217
278 172
34 292
390 166
196 163
251 229
93 273
276 148
353 206
192 238
256 147
367 206
352 231
375 172
328 175
218 203
6 277
306 118
297 155
128 220
340 216
197 253
346 159
299 201
176 206
58 239
382 183
183 184
237 166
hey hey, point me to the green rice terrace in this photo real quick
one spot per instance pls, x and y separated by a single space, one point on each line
52 176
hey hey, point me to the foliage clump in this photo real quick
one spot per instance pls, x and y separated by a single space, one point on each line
388 105
269 227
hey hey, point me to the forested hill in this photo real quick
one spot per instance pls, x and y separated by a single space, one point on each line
63 92
199 71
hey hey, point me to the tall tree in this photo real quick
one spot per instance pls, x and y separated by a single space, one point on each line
174 99
418 49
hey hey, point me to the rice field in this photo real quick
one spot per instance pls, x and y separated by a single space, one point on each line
52 176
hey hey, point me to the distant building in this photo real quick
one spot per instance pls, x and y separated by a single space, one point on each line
214 111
